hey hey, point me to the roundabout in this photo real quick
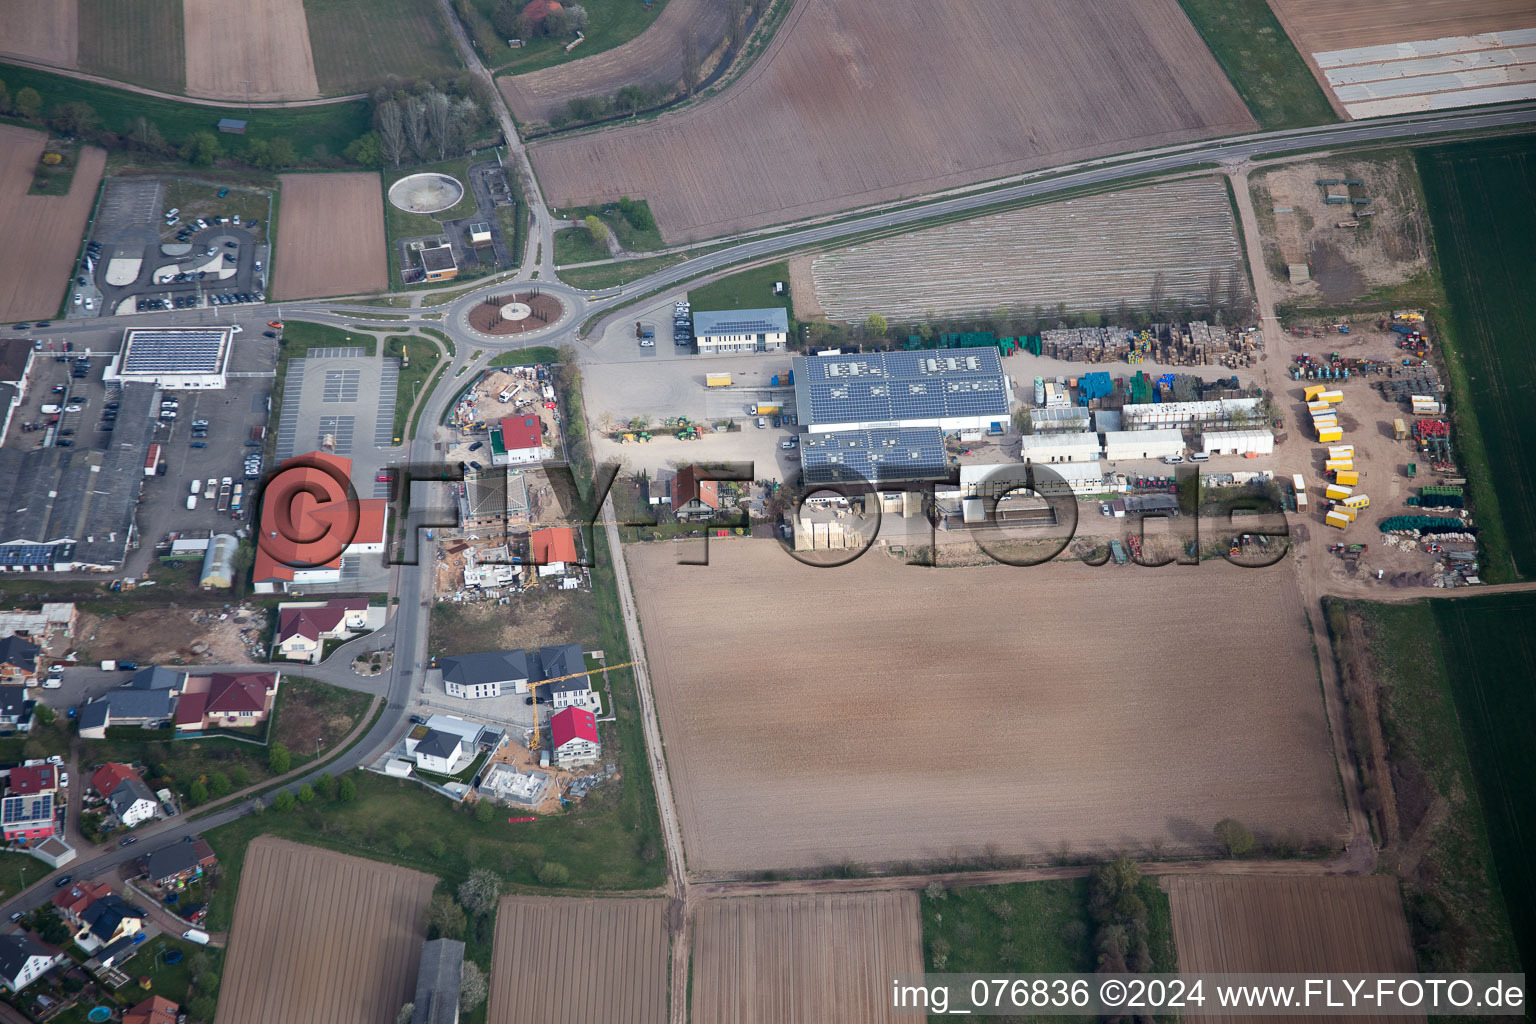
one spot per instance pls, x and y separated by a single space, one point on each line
512 314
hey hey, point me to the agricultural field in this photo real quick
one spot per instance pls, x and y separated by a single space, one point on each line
249 51
46 33
330 238
1069 750
599 961
1384 257
655 57
140 43
1338 24
803 958
403 38
1482 206
320 938
34 275
1088 254
834 122
1272 78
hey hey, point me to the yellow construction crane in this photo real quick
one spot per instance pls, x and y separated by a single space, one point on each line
555 679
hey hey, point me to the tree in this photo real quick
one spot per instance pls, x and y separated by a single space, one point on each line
44 714
480 891
551 873
347 791
278 759
876 325
283 153
506 18
201 149
283 801
28 102
240 776
406 1013
51 928
202 1009
1234 838
471 987
445 918
402 842
439 115
1158 295
575 18
413 112
556 23
326 785
197 792
218 785
306 794
258 153
485 812
390 123
73 118
365 150
596 228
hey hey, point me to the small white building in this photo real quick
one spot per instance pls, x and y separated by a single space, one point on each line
1074 447
1162 415
1142 444
173 358
1238 442
436 750
741 330
1078 478
573 737
24 959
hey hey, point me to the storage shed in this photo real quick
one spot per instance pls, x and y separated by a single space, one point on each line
219 562
1142 444
1238 442
1075 447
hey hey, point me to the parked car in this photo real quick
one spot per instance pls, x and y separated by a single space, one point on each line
62 881
127 840
477 446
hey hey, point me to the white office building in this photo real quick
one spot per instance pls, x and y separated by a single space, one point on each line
730 331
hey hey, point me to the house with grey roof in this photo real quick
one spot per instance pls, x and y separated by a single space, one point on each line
724 331
24 958
132 801
18 661
437 982
576 691
436 750
147 700
488 674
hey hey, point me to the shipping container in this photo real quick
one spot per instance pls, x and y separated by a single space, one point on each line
1317 407
1301 501
1299 482
1331 397
767 410
717 380
1357 501
1336 465
1337 519
1333 492
1341 451
1313 391
1331 434
1346 478
152 460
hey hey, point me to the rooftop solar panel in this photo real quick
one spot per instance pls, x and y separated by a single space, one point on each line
876 456
894 386
175 350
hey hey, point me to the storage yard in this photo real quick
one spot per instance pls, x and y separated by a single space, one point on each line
602 961
35 275
1089 254
330 237
321 938
1100 739
835 119
257 51
803 958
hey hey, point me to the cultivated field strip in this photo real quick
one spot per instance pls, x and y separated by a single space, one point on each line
1316 26
47 33
321 938
1090 253
42 233
598 961
911 713
1236 924
1433 74
330 236
257 51
803 959
855 103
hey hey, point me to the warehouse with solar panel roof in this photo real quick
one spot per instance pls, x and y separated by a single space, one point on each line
173 358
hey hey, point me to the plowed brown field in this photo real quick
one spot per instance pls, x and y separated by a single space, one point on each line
330 236
591 960
321 938
882 712
855 103
654 57
47 33
42 233
803 959
1232 924
1317 25
258 51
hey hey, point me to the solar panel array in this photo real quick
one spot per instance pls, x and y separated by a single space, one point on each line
26 808
175 350
741 321
893 386
878 456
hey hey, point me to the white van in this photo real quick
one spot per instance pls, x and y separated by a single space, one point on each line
191 502
197 485
196 935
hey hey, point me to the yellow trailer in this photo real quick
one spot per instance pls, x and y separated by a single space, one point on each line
1317 407
1301 501
1299 483
1338 465
1399 430
1346 478
1341 451
1326 423
1357 501
1313 390
1333 492
717 380
1337 519
1330 434
1331 397
1346 511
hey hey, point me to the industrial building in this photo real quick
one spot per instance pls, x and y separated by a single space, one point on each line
437 263
1238 442
884 455
281 561
1083 479
1076 447
741 330
1162 415
953 390
219 563
173 358
1068 419
1142 444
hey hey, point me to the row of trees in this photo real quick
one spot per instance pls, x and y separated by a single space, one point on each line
522 20
431 125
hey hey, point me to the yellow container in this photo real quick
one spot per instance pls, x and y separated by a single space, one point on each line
1331 397
1312 391
1357 501
1333 492
1341 451
1330 434
1346 478
1317 407
1337 519
1338 465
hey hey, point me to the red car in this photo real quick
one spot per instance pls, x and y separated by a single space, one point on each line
275 323
384 478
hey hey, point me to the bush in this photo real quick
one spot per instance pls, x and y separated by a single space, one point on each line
485 812
550 873
306 794
219 785
283 801
1234 837
347 791
279 760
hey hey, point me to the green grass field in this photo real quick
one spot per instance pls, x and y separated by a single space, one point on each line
1482 207
141 42
750 289
359 46
424 359
611 23
607 275
630 237
1261 62
576 245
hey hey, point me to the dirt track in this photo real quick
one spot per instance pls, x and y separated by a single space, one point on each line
48 33
321 938
598 961
239 51
330 236
798 959
1027 708
43 232
856 103
654 57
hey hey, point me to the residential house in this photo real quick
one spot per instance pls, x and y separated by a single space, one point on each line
694 497
179 862
15 709
146 701
33 780
553 547
106 920
436 750
27 818
517 441
24 958
72 901
125 793
154 1010
573 737
18 661
488 674
564 660
231 700
437 982
282 561
302 629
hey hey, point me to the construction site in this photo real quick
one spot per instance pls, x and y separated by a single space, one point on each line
515 534
493 420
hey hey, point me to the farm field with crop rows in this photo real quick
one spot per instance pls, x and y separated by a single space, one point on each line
1089 254
33 277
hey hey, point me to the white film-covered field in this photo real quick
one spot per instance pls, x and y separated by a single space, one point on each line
1089 254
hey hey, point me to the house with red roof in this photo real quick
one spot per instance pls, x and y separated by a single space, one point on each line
553 545
30 805
517 441
154 1010
309 499
573 737
303 628
230 700
32 780
130 800
694 497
